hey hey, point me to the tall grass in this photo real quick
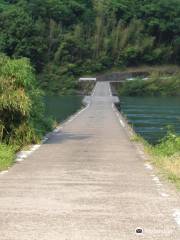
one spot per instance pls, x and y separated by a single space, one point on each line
6 156
165 155
22 119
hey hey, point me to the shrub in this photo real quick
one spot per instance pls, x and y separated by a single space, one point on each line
168 146
21 108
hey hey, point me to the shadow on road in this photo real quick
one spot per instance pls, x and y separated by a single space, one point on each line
61 136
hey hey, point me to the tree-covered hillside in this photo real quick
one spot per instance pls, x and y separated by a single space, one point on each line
67 38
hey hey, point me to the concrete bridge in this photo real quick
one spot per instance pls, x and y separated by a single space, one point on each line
116 76
88 181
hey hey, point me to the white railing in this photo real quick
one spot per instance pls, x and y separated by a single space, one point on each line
87 79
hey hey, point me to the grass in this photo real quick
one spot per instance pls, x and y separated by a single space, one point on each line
165 156
170 167
7 155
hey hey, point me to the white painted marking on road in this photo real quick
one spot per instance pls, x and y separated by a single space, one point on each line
122 123
148 166
22 155
140 152
156 179
3 172
31 151
56 130
70 120
110 92
164 194
94 90
35 147
44 139
176 215
19 159
159 184
118 116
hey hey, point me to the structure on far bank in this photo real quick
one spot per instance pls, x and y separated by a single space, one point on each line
87 79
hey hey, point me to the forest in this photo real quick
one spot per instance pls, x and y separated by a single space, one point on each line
46 45
66 38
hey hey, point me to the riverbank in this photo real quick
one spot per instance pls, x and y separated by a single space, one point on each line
25 118
10 153
54 110
165 156
60 109
142 70
22 116
157 84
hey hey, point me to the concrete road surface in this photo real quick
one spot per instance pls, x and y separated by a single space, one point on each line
87 182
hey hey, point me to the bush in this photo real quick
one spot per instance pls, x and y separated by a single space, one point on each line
21 108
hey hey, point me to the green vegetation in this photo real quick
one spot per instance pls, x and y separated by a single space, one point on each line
165 155
157 85
6 156
47 45
21 110
66 38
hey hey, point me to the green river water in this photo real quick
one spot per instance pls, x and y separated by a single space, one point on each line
61 107
150 116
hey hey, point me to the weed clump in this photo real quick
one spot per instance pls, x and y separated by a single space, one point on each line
7 154
165 155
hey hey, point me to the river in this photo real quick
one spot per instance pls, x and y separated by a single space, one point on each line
61 107
150 116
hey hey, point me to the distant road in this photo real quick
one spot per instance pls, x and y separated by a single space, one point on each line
88 182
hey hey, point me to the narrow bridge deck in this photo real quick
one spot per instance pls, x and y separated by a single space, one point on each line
87 182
